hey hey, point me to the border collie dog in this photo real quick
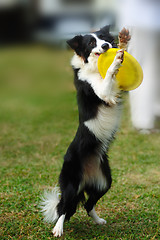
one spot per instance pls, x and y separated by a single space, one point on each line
86 168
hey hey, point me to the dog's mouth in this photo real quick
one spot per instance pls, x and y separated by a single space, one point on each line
98 54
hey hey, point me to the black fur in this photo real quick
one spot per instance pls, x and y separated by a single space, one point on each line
85 144
82 45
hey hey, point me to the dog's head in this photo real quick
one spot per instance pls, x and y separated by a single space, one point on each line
93 44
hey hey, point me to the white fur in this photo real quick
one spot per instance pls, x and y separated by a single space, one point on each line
58 229
105 123
49 205
95 217
99 43
77 61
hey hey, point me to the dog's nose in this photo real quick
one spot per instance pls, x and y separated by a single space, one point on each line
105 46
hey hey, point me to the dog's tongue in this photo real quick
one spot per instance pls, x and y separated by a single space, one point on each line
97 54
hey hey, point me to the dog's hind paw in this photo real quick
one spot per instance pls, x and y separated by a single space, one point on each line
95 217
100 221
57 231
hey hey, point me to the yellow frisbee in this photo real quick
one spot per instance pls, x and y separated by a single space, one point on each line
130 74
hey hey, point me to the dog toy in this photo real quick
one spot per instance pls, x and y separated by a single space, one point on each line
130 75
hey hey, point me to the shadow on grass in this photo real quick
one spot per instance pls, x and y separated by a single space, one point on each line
135 226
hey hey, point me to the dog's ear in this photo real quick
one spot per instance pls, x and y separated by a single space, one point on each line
76 43
105 29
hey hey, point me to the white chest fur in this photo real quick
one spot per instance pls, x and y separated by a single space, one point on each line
89 73
105 123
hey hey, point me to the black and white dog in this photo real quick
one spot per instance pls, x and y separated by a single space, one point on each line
86 167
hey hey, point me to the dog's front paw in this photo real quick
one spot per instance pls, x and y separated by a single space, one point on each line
124 38
111 100
119 57
117 63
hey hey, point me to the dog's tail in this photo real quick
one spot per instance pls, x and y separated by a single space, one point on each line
49 204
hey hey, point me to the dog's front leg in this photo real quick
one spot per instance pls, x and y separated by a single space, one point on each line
109 88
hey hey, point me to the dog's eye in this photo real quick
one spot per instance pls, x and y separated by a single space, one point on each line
92 43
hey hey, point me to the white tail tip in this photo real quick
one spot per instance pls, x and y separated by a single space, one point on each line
49 204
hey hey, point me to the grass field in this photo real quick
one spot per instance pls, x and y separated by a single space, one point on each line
38 119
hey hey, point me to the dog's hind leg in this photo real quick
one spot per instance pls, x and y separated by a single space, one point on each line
58 229
95 217
66 207
90 206
95 193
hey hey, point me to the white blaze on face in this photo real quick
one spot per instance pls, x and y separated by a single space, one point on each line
99 43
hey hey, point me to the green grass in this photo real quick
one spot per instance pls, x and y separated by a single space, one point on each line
38 120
